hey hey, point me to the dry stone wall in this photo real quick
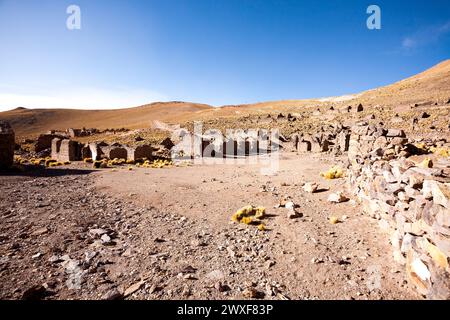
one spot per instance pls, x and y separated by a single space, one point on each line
410 200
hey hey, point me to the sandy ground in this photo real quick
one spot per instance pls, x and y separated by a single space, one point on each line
172 238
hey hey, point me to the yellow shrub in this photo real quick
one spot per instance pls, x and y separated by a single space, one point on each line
88 160
333 173
426 163
334 220
96 164
259 212
249 214
49 161
247 220
422 147
444 152
55 164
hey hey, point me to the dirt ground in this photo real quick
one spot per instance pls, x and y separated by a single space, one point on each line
77 233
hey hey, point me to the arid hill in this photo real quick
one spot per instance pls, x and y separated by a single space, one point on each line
425 89
31 122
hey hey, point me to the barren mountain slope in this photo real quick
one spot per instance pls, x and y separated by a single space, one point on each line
31 122
425 89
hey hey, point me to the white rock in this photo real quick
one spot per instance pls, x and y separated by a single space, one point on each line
97 232
310 187
420 269
289 205
106 239
337 197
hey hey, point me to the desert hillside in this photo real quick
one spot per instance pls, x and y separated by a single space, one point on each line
31 122
425 90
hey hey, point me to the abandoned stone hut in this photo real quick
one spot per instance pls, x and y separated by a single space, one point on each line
7 144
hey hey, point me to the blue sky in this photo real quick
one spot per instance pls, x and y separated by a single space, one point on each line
218 52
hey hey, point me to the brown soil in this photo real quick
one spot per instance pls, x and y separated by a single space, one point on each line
171 234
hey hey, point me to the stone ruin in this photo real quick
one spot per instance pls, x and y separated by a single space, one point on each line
237 143
64 150
68 150
7 144
44 141
334 138
411 202
358 108
73 133
279 118
140 152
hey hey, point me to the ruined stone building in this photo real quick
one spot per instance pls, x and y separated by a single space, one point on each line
7 144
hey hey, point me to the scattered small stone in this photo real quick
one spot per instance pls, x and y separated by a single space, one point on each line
316 260
188 269
310 187
54 259
252 293
39 231
106 239
34 293
112 294
222 287
133 288
189 276
293 213
269 264
37 255
97 232
337 197
333 220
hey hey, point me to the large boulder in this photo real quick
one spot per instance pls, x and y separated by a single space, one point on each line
7 145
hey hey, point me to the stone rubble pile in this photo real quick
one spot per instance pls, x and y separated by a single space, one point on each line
235 143
410 199
331 138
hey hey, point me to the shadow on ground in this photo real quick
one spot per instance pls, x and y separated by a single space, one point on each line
44 172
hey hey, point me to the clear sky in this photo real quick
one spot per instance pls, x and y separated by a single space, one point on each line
218 52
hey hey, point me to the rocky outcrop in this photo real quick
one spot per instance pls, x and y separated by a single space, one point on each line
331 138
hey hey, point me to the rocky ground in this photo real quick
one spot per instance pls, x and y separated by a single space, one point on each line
77 233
